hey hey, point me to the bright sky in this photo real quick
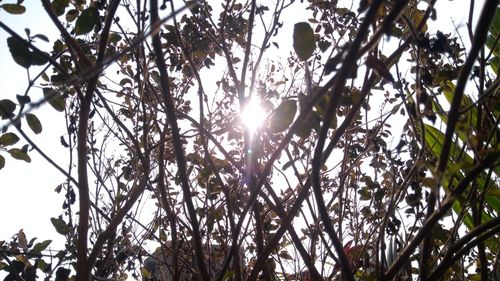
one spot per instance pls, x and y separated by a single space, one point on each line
27 198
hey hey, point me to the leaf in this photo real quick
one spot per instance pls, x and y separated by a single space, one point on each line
18 154
54 98
86 21
14 9
417 17
283 115
8 139
146 274
2 162
34 123
380 68
43 266
59 6
114 38
41 37
71 15
7 108
60 226
303 40
24 261
20 52
333 123
364 194
58 46
306 126
62 274
285 255
23 99
38 58
39 247
494 63
21 237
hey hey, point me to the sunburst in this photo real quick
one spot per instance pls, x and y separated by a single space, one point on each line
253 115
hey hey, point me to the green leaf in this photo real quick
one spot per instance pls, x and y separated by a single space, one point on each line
56 100
494 63
285 255
38 58
60 226
114 38
20 52
14 9
18 154
39 247
86 21
283 116
305 128
43 266
41 37
34 123
62 274
8 139
60 6
58 46
23 99
71 15
304 42
364 194
2 162
435 140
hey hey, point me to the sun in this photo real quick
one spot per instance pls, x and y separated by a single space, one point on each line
253 115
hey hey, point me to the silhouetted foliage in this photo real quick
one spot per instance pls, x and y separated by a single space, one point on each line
377 158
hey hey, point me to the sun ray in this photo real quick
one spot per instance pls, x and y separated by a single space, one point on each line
253 115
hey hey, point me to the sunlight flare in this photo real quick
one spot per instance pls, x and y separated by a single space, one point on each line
253 115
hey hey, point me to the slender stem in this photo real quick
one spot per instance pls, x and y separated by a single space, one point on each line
177 143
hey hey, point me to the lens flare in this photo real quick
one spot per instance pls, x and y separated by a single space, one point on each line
253 115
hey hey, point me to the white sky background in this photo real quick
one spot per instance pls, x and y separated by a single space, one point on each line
27 197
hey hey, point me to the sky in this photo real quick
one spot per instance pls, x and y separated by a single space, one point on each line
27 197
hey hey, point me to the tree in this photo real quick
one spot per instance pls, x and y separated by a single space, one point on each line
152 97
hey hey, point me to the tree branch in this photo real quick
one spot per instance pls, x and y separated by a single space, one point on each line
178 149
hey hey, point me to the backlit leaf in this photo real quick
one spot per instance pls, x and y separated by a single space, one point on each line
333 123
23 99
86 21
283 116
71 15
8 139
20 52
285 255
18 154
305 128
114 38
41 37
62 274
60 6
23 241
39 59
304 43
54 98
380 68
14 9
39 247
417 17
60 226
34 123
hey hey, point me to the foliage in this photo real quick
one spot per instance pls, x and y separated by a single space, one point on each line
371 138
